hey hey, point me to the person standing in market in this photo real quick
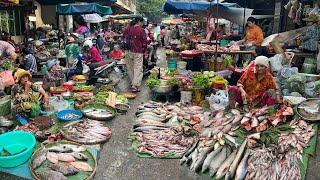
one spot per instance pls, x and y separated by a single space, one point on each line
256 87
311 37
81 26
137 38
162 34
254 35
72 50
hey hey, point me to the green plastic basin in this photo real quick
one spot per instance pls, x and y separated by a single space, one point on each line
17 138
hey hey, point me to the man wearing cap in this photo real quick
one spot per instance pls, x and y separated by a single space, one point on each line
256 87
54 77
23 93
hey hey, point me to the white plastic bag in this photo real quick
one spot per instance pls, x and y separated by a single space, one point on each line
276 62
219 100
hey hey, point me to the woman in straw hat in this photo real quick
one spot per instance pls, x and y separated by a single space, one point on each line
24 93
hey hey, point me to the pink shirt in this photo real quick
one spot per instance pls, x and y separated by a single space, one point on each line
5 49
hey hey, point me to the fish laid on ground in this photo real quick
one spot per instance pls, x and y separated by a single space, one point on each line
82 166
60 149
51 175
39 158
148 128
65 169
217 161
233 167
194 155
209 158
52 157
231 139
79 156
242 168
202 157
188 152
66 158
225 165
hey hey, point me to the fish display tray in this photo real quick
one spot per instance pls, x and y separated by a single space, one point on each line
91 156
305 115
99 106
70 138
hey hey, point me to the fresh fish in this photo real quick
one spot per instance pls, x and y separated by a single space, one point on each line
235 112
51 175
237 159
151 114
209 158
202 157
66 157
82 166
65 169
60 149
237 119
75 148
217 161
225 165
40 158
148 128
192 148
52 157
194 156
227 128
79 156
231 139
242 167
151 117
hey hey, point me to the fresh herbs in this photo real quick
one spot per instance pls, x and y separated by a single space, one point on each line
153 81
201 81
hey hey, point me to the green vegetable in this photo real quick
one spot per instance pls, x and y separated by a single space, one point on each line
228 60
201 81
172 81
81 87
7 65
152 81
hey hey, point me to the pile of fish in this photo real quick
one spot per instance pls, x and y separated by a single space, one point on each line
259 120
265 163
172 114
63 160
163 130
86 131
98 113
206 155
220 122
71 116
298 138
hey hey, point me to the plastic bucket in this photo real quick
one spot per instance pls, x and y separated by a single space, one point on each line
181 66
172 64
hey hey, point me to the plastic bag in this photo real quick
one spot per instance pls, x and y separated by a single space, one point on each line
219 100
276 63
7 78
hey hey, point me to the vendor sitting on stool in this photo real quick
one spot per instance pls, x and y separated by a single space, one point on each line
25 94
54 77
256 87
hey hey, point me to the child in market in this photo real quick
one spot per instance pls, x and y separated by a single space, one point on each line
117 53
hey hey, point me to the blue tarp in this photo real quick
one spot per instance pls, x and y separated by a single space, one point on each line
87 8
187 6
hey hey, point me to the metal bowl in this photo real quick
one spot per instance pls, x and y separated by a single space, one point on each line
162 89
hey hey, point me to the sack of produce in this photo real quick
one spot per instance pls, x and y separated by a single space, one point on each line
296 83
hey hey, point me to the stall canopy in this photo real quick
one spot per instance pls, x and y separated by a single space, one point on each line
92 18
56 2
187 6
84 8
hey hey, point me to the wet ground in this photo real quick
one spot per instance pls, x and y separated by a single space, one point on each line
118 161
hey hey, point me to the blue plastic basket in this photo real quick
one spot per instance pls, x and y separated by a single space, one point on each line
62 113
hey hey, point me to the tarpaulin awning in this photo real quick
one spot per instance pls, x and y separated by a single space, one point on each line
56 2
93 18
185 6
84 8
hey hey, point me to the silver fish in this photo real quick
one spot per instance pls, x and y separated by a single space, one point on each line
148 128
237 119
209 159
225 165
237 159
188 152
242 168
201 158
40 158
194 156
79 156
60 149
231 139
217 161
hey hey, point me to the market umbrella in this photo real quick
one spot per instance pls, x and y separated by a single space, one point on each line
83 8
